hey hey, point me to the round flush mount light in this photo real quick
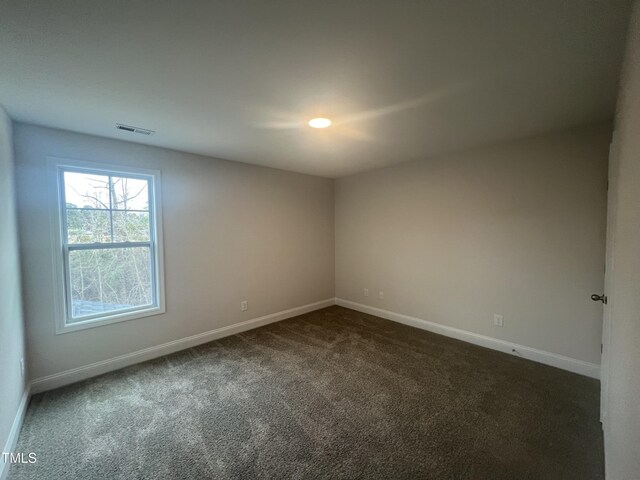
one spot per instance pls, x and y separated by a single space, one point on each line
319 122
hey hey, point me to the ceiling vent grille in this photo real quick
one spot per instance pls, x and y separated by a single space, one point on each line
129 128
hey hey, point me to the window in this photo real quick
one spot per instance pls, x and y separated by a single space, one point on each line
109 257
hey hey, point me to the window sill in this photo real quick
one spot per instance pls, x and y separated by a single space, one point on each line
108 320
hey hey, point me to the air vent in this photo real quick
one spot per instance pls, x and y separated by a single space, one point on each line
129 128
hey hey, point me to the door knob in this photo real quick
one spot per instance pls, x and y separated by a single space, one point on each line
599 298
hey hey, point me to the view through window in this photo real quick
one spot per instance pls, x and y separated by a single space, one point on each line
109 246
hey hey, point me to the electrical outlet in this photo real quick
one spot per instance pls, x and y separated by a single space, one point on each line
22 367
381 294
366 292
244 306
497 320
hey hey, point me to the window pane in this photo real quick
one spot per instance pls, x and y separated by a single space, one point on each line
130 226
86 190
130 193
88 226
108 280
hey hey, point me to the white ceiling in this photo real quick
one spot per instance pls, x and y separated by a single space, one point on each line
238 79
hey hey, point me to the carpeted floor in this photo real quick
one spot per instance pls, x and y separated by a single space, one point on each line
330 394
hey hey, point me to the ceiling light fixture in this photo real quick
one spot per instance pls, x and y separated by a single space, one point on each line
319 122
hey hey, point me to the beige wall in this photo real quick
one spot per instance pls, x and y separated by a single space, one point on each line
232 232
516 229
621 369
12 384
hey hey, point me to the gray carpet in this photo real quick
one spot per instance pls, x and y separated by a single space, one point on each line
330 394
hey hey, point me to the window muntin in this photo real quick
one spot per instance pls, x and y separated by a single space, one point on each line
110 259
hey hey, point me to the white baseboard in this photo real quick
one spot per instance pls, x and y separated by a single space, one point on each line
12 440
98 368
540 356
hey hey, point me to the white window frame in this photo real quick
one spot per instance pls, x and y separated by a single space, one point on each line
60 251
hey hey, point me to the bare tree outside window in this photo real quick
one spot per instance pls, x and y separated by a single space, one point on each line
108 238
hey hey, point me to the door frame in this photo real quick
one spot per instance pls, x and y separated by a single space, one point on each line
612 201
